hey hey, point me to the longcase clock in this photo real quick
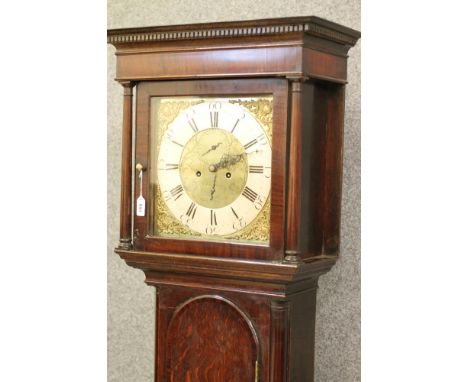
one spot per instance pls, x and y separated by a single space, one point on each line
231 188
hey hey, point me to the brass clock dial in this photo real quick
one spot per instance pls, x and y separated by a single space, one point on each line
213 168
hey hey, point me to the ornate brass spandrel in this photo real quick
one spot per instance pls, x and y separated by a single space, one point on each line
164 111
258 230
262 109
164 223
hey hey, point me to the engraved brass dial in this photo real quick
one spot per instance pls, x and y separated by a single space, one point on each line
214 169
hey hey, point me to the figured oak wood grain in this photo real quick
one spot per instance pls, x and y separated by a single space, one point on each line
249 309
209 340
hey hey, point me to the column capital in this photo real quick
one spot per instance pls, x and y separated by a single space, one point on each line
126 83
128 86
296 82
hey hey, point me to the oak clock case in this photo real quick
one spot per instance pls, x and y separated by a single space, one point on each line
238 142
210 152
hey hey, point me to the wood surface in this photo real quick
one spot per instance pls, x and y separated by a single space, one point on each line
293 202
301 46
251 310
276 87
242 312
275 331
204 341
309 25
125 241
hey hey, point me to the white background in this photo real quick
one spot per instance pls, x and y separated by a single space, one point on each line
53 194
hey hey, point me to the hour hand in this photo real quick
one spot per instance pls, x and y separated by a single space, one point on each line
228 160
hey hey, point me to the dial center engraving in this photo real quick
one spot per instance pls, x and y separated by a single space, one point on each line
214 168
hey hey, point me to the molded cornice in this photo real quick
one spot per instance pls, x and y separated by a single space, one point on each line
310 25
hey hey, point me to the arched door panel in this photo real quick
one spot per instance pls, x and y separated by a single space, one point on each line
210 340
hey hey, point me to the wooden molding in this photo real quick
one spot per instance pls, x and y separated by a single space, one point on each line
240 269
304 47
312 26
